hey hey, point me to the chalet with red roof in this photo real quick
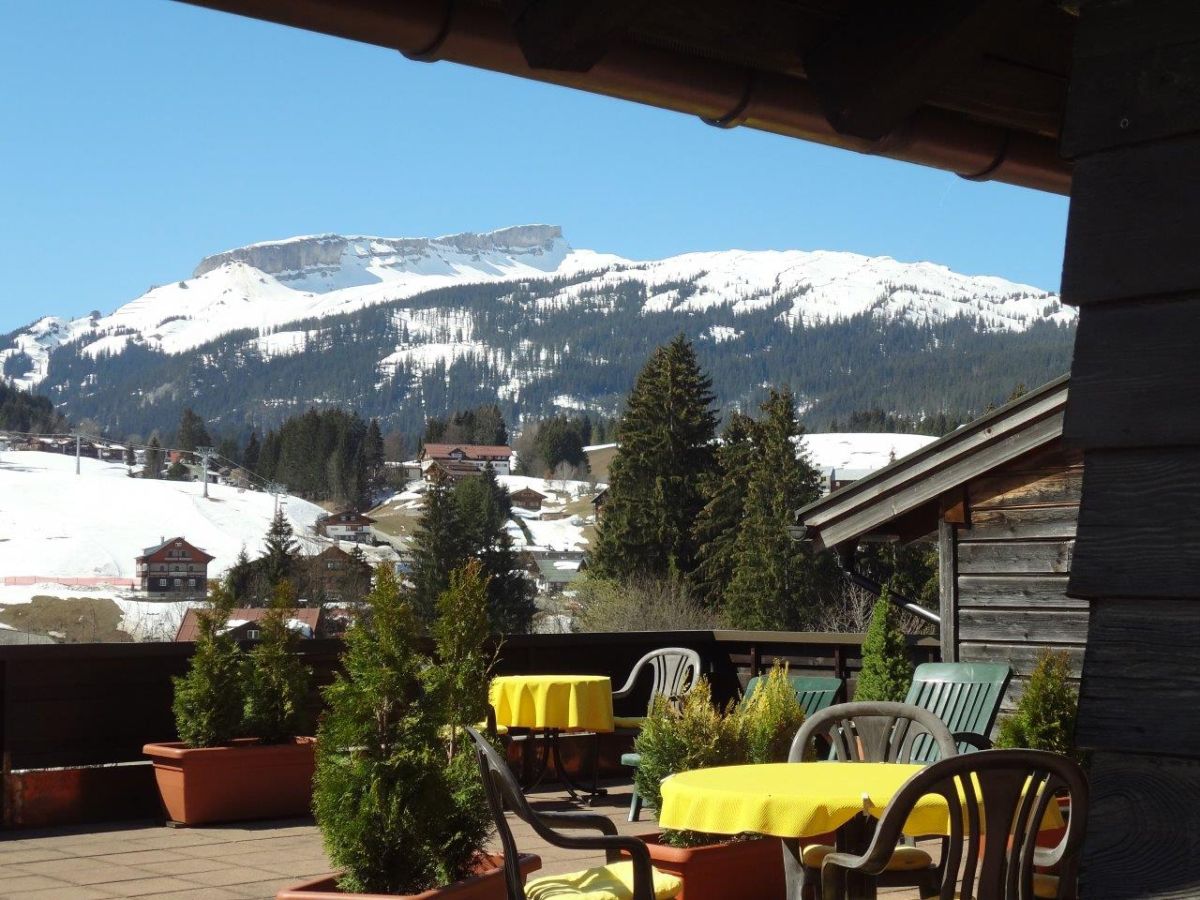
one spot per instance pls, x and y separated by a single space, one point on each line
173 567
457 460
243 623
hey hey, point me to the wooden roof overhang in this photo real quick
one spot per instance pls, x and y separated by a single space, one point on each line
906 498
976 87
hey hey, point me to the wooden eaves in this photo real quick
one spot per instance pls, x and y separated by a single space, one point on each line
906 498
975 87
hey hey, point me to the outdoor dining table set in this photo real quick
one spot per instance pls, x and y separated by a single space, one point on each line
886 773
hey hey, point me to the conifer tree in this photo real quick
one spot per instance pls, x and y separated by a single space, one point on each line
251 453
716 527
154 459
130 458
281 549
438 548
774 578
373 455
208 699
192 433
666 449
886 669
277 680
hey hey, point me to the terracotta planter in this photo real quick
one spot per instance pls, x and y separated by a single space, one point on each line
244 780
487 884
738 870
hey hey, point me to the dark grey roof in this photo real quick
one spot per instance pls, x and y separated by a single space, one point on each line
923 476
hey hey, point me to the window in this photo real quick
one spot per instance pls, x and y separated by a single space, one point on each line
162 582
191 582
177 582
253 634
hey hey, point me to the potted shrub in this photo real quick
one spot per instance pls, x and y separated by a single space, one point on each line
238 715
887 670
697 736
1044 719
398 795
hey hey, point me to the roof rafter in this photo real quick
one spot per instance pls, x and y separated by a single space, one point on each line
569 35
886 59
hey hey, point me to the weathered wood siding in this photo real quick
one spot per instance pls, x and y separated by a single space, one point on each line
1013 560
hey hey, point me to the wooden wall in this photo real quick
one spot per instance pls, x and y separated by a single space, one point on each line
1013 560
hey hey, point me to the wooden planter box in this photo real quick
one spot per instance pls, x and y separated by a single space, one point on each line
737 870
244 780
487 884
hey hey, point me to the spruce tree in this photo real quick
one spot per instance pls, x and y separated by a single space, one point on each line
886 668
154 459
192 433
717 525
666 439
208 699
277 680
250 454
774 580
373 455
281 549
438 548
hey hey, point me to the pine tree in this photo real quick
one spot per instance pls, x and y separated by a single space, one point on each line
666 449
717 525
774 579
177 471
438 548
154 459
281 549
192 433
886 668
130 457
208 699
250 454
373 456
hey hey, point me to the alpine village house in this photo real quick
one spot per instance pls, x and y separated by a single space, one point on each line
173 567
456 460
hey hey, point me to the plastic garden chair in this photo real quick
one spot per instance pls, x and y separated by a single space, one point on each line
1010 791
868 732
964 695
815 693
632 878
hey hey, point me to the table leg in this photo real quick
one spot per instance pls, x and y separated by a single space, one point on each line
855 837
573 787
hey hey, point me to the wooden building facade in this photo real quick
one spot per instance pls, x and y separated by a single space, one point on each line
1001 498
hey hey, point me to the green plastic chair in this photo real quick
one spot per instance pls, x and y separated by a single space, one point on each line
964 695
815 693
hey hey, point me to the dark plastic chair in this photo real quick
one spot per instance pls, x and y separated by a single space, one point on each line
1009 791
964 695
868 732
675 671
503 791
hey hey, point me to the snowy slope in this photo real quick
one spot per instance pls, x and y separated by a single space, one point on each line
269 286
854 455
54 523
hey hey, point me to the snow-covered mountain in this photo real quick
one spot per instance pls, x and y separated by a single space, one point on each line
518 305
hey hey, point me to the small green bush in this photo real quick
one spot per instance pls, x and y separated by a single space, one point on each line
209 698
699 736
277 681
399 810
886 668
1045 715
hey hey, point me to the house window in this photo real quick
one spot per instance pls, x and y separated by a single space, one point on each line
253 634
191 582
162 582
177 582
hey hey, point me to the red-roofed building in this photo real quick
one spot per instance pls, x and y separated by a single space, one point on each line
243 623
459 459
173 567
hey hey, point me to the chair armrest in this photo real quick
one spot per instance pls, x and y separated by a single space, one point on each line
978 741
612 843
595 821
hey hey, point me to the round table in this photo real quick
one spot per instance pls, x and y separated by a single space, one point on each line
553 704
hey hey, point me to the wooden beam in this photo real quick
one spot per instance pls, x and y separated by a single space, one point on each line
948 591
569 35
885 59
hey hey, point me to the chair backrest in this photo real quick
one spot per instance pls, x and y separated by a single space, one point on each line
674 670
964 695
815 693
871 731
503 792
1002 795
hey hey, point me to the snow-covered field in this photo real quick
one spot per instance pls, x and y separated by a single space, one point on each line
854 454
56 524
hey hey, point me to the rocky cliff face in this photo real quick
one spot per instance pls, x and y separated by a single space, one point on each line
326 251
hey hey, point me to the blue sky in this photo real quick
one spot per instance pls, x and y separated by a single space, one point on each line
141 135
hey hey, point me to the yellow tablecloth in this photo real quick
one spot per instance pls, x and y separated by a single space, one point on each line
796 799
566 702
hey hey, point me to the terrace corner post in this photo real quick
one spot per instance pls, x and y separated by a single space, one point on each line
1132 266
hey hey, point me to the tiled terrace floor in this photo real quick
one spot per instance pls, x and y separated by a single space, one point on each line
150 861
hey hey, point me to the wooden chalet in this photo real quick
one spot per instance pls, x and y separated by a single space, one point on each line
1092 98
333 569
528 498
458 460
347 525
173 567
1001 497
243 623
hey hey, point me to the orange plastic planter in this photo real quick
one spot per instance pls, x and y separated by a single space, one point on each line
738 870
486 884
244 780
